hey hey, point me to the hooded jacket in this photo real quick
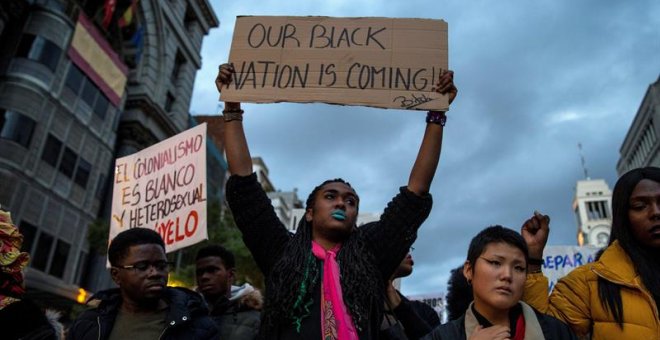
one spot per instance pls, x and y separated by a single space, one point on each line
186 317
239 317
575 299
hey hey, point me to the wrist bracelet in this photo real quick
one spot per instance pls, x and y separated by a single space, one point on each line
436 117
230 115
535 262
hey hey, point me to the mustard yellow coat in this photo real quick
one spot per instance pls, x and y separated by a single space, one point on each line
575 300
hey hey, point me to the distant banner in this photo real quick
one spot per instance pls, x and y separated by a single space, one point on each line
163 188
378 62
92 53
558 261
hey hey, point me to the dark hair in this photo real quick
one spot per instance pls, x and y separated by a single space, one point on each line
295 276
645 262
495 234
459 294
131 237
216 250
309 203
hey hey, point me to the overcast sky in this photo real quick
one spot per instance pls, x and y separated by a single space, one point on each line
534 78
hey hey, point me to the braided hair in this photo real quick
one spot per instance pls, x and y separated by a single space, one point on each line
296 275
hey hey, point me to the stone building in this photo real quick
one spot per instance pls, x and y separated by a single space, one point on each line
78 89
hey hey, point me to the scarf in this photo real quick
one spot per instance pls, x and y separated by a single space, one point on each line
336 322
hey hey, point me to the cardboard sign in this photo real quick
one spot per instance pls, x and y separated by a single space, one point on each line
558 261
163 187
378 62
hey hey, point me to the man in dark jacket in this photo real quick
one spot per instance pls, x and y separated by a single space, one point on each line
143 307
234 309
404 319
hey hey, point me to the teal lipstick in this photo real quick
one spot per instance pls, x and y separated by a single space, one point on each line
338 215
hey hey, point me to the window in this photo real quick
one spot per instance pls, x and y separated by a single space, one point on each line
178 63
82 265
59 259
39 49
101 107
74 78
100 187
82 173
29 232
597 210
40 258
169 102
51 153
68 162
189 18
16 127
89 92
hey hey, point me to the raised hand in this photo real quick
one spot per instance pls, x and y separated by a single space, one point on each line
225 73
496 332
445 85
224 78
535 231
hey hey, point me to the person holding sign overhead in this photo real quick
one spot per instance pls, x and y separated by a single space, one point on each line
326 281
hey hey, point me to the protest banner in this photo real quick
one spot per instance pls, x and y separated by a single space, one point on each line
378 62
163 188
558 261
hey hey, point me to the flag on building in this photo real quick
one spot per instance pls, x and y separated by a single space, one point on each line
128 15
95 57
108 11
138 40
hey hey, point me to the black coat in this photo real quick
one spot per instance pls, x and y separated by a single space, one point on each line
187 317
413 320
551 328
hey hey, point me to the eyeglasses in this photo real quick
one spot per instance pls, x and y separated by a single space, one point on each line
143 266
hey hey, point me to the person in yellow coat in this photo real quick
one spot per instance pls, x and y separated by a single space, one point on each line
617 296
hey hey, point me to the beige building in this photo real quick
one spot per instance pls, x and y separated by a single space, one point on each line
640 147
592 202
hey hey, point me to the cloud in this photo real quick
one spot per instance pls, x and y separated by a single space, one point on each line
535 79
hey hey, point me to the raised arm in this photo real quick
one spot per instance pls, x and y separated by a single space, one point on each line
263 233
428 156
236 147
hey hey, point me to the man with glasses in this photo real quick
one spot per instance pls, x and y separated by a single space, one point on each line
143 307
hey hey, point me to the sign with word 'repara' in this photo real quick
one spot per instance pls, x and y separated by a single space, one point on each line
377 62
163 188
558 261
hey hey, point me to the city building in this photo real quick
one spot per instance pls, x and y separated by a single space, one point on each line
591 204
641 145
82 83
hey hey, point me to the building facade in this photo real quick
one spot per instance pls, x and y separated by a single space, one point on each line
591 204
641 147
78 89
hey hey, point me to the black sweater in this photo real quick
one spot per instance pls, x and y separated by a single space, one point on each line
266 238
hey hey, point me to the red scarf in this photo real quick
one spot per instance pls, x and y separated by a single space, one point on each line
520 328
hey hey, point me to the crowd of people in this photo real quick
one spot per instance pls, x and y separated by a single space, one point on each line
333 280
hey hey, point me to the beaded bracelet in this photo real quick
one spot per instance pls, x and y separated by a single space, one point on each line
230 115
436 117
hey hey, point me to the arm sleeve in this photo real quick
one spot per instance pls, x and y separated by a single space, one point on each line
568 302
263 233
391 237
415 321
